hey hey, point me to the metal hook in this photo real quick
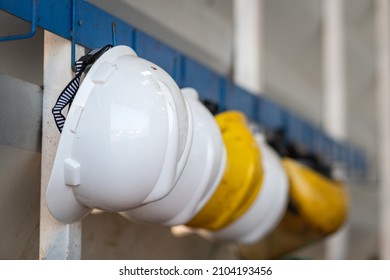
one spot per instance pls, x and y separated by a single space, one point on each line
72 33
33 27
113 33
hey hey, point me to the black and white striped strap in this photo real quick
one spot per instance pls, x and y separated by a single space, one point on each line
67 95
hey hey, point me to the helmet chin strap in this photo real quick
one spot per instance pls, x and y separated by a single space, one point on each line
66 96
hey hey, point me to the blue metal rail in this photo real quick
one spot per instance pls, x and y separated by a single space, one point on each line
92 27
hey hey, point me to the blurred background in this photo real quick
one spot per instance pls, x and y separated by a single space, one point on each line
323 59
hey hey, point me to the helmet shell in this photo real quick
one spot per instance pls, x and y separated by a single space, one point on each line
201 175
125 141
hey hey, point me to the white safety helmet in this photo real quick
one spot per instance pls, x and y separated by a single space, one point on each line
265 212
125 141
201 175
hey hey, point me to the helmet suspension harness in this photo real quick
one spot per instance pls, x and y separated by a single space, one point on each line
67 95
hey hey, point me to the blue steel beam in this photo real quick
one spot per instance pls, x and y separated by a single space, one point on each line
92 27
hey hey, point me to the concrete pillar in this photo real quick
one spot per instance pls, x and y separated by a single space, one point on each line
57 240
334 111
248 45
383 109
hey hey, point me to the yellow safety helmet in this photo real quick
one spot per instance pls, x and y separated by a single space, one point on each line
321 201
242 179
318 206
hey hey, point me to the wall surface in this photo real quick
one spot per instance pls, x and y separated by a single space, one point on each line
20 166
201 29
21 59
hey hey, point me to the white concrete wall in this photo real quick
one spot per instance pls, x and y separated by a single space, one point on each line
21 59
201 29
20 163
